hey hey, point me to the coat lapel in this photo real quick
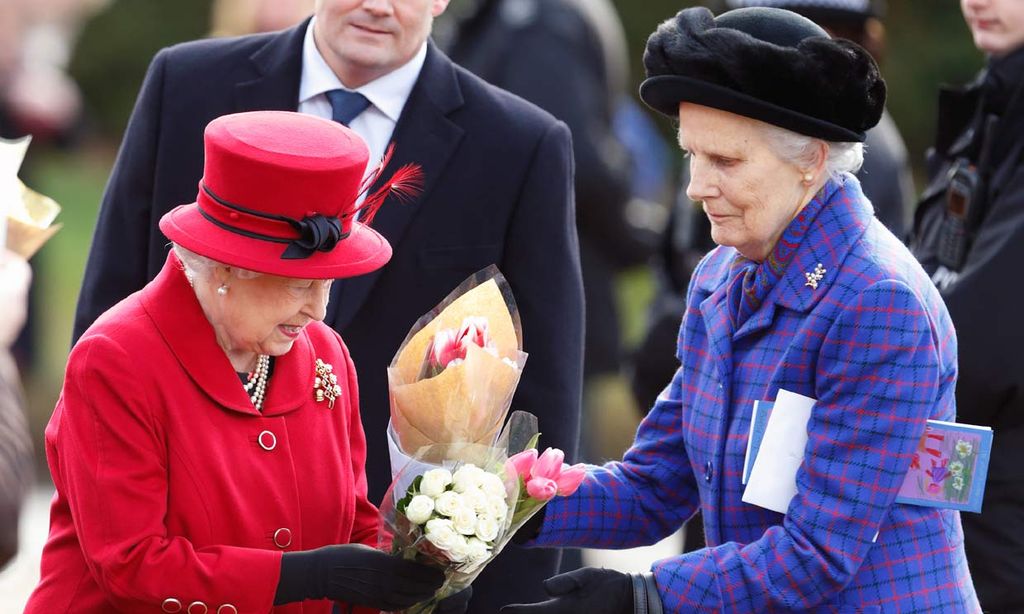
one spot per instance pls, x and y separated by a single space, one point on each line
177 315
278 66
715 312
425 136
842 220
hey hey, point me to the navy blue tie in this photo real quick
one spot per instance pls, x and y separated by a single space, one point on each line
346 105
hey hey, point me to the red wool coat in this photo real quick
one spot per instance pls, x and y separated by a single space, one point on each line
171 487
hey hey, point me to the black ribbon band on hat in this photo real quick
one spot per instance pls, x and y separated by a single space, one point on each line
316 232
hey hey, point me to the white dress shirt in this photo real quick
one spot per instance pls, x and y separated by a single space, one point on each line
387 95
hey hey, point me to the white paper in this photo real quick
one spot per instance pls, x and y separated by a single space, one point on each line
12 153
772 482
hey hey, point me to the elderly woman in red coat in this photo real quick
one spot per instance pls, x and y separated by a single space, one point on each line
207 449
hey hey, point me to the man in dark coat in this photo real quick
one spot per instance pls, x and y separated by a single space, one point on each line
498 189
969 236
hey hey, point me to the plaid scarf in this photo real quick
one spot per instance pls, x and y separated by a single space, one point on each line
750 282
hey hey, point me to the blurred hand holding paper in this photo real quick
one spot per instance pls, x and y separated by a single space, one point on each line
25 223
772 481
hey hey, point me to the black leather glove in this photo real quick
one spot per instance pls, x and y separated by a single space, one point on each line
355 574
455 604
530 528
594 590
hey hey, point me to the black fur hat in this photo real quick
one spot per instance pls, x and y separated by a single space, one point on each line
768 64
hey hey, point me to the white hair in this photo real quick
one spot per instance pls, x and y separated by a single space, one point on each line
200 267
799 149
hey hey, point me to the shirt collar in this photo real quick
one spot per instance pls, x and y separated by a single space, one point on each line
387 93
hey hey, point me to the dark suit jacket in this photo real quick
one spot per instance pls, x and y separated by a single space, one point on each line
498 190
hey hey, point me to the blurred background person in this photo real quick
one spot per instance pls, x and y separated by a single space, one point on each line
16 466
37 96
969 235
570 58
885 178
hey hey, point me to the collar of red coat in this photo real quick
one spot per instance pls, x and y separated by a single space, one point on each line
173 306
840 223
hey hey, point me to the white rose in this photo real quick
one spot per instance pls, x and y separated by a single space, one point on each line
476 499
464 520
479 553
467 477
435 481
420 509
459 550
486 528
497 507
448 502
478 550
492 485
441 533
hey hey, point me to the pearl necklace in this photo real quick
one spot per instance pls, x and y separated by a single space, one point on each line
256 386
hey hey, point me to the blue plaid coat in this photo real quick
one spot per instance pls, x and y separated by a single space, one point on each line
875 346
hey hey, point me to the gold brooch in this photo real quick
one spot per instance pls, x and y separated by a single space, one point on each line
325 386
814 277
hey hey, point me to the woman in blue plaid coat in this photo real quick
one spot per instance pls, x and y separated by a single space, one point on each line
806 292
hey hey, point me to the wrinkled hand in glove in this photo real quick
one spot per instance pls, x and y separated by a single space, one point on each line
455 604
589 590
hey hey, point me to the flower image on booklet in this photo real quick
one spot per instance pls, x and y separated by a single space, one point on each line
949 467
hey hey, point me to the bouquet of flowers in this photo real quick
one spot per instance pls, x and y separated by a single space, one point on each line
464 502
453 377
463 485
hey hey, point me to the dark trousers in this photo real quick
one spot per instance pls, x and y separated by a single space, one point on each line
994 541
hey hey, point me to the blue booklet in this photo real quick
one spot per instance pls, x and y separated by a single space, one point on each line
948 469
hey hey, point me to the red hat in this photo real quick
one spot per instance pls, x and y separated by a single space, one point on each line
278 196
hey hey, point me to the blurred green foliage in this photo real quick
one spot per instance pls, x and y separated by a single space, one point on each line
116 46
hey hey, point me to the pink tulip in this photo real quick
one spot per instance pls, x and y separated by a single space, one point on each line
570 479
473 331
444 349
541 489
521 464
549 465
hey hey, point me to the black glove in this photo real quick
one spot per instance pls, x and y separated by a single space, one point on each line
356 574
591 590
531 528
455 604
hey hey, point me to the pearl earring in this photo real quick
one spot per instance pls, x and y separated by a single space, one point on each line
808 177
222 290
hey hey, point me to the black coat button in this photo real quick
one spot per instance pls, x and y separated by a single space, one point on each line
709 472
